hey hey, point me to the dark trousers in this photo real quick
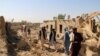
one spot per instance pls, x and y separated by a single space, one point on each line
75 49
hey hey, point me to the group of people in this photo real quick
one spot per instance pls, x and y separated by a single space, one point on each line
43 37
72 40
26 29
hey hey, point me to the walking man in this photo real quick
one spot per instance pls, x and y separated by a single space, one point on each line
66 41
52 38
42 36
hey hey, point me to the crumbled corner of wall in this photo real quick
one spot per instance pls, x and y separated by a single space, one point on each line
3 48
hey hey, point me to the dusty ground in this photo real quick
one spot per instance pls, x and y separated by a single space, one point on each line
35 46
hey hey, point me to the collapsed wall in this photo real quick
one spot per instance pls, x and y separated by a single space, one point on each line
3 49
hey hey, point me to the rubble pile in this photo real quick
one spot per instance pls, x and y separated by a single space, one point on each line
18 43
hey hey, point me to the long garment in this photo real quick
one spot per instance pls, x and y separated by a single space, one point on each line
42 37
29 31
52 38
76 45
66 41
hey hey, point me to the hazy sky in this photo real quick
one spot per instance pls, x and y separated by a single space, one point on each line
39 10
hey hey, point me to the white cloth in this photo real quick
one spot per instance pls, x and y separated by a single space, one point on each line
71 35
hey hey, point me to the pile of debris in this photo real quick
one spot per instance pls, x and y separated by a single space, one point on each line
91 34
14 43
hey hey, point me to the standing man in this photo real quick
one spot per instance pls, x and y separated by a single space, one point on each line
29 31
76 43
42 36
52 38
66 41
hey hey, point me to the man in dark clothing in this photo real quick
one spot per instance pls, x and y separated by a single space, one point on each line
39 36
42 36
29 31
76 43
44 33
52 38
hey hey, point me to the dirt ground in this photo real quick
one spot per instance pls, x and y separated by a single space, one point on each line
36 48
